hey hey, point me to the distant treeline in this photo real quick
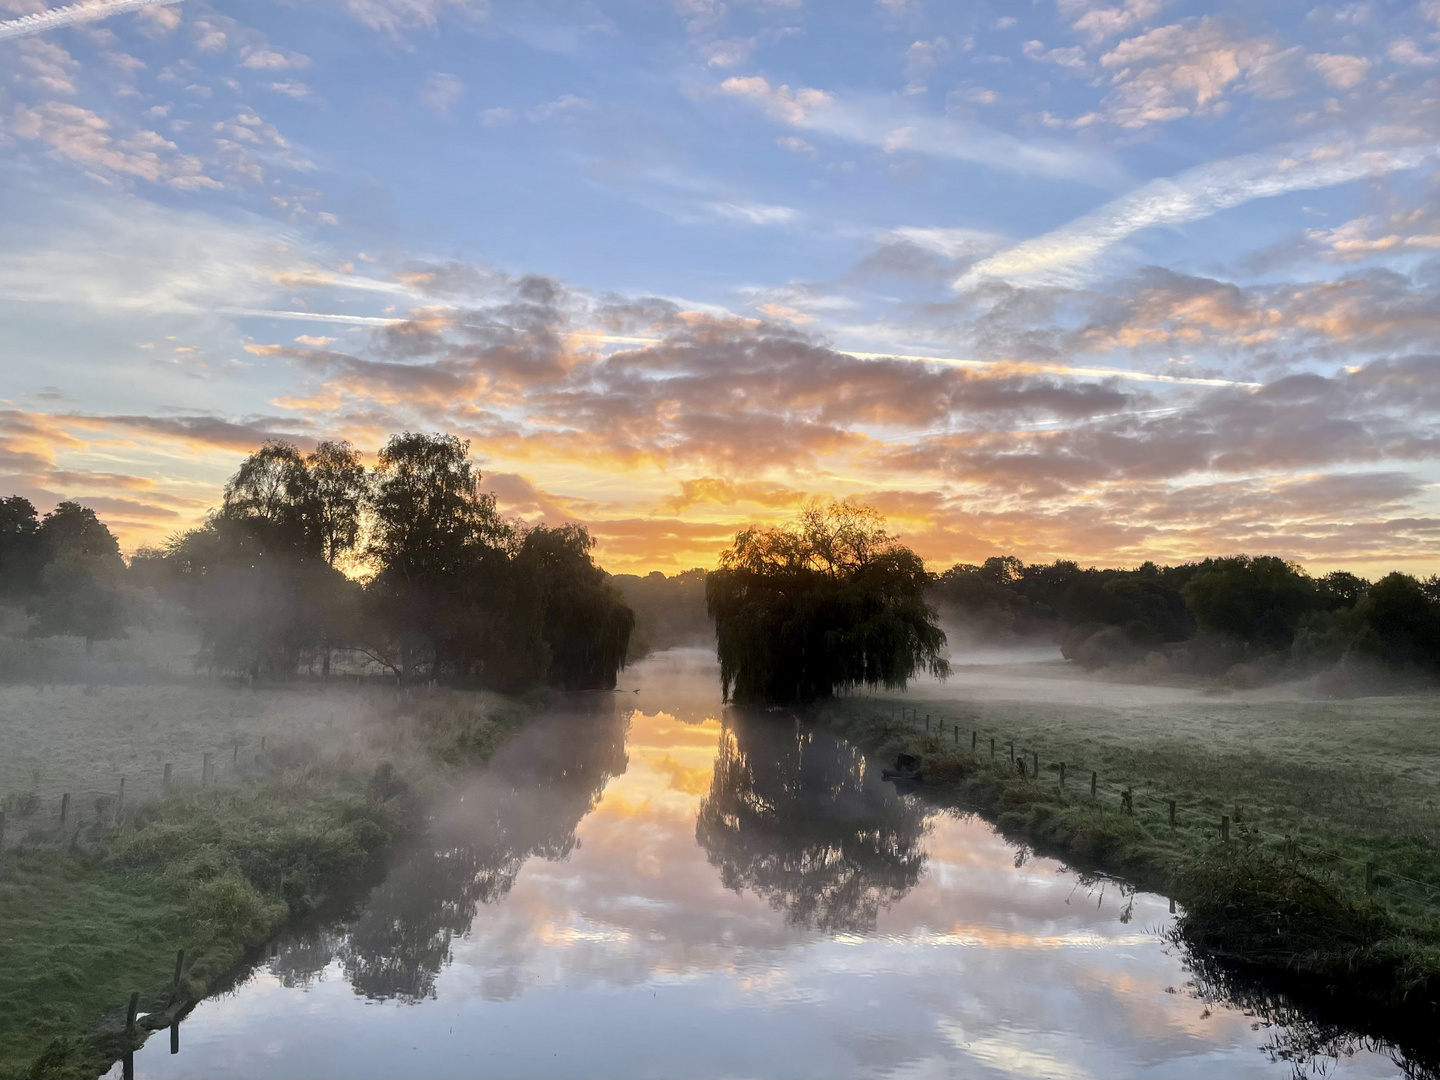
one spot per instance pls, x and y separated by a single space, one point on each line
1202 616
448 589
669 611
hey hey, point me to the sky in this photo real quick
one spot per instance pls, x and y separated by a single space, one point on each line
1102 281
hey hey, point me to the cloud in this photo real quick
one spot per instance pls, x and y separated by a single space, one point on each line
753 213
1338 70
1068 254
877 124
562 108
71 14
794 144
394 16
83 137
441 93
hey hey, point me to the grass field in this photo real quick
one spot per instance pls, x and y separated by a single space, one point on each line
95 910
1315 791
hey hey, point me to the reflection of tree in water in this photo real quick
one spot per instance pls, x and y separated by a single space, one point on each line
794 815
1310 1039
527 802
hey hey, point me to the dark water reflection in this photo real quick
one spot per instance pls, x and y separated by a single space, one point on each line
794 816
648 885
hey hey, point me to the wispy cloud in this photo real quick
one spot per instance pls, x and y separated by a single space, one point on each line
882 125
1067 255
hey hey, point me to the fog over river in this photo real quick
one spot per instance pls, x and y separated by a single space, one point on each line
650 884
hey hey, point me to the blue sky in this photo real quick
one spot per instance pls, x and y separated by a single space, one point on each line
1096 280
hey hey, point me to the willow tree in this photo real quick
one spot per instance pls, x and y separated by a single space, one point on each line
824 604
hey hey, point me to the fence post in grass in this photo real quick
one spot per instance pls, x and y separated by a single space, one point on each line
927 721
992 746
235 753
2 832
262 744
64 806
957 734
205 769
1369 877
1172 813
1225 828
1012 750
1035 756
130 1018
175 1034
1062 774
120 801
1172 905
974 740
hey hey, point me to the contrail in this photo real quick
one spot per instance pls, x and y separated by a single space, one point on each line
70 14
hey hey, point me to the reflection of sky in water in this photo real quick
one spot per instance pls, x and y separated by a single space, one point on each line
868 936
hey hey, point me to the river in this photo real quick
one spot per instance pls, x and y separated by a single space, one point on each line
648 884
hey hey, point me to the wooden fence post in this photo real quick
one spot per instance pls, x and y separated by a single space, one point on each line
1012 750
992 746
167 777
1094 779
1369 877
1035 758
64 806
1172 813
120 802
1062 774
974 739
1225 828
130 1017
205 769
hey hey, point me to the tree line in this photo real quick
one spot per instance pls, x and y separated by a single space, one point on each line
1205 615
443 586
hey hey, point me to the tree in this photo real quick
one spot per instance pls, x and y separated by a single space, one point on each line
587 623
442 592
22 552
339 487
80 586
1404 623
826 603
1259 600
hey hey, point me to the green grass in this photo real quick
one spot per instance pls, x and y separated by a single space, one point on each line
1345 783
91 914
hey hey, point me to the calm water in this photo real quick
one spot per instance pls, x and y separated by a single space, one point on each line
650 885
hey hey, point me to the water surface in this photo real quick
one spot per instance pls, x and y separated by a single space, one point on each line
647 884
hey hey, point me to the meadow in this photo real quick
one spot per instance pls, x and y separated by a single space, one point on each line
311 789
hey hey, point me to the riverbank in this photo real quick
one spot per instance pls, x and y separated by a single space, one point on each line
95 909
1324 879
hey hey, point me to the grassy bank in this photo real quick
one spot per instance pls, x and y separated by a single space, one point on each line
89 914
1314 792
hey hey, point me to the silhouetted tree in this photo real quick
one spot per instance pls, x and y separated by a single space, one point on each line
443 596
339 487
587 623
1258 600
80 591
22 552
826 603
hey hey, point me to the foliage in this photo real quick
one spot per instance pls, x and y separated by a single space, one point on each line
587 623
824 604
457 593
1208 615
80 586
22 553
